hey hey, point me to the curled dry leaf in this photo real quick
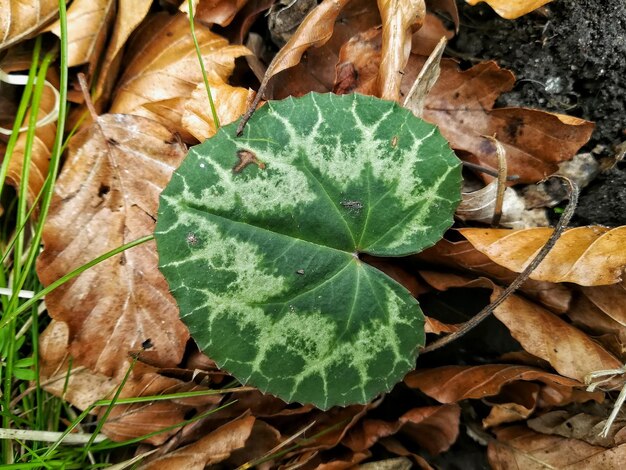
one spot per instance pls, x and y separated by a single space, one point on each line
87 27
40 153
540 332
230 103
435 428
400 19
164 70
520 447
582 255
511 9
109 191
211 12
210 450
19 19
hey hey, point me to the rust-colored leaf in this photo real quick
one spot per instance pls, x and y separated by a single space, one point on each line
520 447
210 450
540 332
511 9
20 19
106 196
400 18
582 255
211 12
435 428
87 27
164 70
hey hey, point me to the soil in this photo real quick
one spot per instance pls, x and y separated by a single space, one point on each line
569 57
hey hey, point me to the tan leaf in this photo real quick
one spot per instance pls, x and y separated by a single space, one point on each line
87 27
516 402
520 447
211 12
582 255
610 299
434 428
400 19
230 103
450 384
20 19
40 153
395 447
428 36
164 71
107 195
211 449
511 9
540 332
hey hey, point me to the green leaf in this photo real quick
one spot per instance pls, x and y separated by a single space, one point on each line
259 237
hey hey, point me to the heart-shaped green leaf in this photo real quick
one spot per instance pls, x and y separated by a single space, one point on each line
259 237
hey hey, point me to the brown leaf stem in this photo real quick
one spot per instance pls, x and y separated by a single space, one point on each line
523 276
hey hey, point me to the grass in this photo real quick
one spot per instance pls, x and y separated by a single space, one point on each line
34 422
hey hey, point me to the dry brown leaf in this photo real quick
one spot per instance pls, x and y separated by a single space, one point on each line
609 299
540 332
462 255
579 425
461 105
428 36
520 447
400 19
344 462
435 428
511 9
164 70
20 19
40 153
211 12
395 447
584 255
87 26
450 384
230 103
416 97
106 196
211 449
129 14
516 402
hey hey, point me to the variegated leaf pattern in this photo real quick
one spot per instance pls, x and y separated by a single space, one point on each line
259 237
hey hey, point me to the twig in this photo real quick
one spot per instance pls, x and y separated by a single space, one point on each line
523 276
488 171
84 88
50 436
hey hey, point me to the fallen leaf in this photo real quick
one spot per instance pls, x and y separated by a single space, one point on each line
395 447
164 71
344 462
609 299
511 9
515 402
400 18
40 153
416 97
450 384
435 428
87 28
20 19
428 36
579 425
446 6
230 103
582 255
540 332
601 311
106 196
520 447
209 12
210 450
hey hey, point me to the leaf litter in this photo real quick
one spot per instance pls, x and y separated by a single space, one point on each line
568 314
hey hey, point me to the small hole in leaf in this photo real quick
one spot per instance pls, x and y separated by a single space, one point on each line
103 190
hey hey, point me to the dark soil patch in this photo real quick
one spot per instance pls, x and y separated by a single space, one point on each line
569 57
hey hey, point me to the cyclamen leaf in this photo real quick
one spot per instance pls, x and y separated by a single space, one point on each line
259 237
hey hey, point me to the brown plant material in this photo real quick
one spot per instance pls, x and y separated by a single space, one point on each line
230 103
400 19
19 19
520 447
209 12
106 196
164 70
40 153
583 255
435 428
462 255
87 27
426 38
511 9
209 450
541 333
